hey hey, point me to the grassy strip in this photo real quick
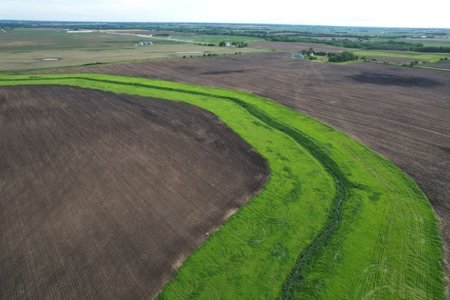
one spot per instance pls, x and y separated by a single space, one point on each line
433 68
411 55
387 246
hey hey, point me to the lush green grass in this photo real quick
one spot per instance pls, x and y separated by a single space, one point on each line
403 54
386 246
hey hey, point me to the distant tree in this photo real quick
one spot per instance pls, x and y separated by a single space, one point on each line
342 56
413 63
222 44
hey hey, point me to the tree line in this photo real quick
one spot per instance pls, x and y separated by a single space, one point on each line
365 45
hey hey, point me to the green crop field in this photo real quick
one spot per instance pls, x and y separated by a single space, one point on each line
430 42
403 54
439 42
335 221
26 48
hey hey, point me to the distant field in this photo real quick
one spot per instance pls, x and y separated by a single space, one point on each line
401 56
442 64
214 39
49 39
148 32
295 47
25 48
435 42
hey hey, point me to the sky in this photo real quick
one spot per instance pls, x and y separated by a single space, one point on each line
381 13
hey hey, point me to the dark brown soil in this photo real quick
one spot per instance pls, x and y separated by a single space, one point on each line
402 113
104 195
394 80
442 64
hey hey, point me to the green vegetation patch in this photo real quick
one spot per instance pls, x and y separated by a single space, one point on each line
381 235
409 55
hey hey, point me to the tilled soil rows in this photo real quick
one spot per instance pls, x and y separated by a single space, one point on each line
104 195
400 112
296 47
445 64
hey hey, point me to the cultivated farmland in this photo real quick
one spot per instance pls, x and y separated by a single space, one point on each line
386 245
104 195
296 47
445 64
26 48
399 112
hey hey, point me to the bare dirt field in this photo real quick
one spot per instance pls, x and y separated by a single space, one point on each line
104 195
442 64
288 46
148 32
402 113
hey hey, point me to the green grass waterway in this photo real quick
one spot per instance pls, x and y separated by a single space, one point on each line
386 245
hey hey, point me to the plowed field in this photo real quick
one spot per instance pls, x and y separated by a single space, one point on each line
296 47
104 195
442 64
402 113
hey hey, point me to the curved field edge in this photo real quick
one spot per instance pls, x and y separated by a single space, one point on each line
387 245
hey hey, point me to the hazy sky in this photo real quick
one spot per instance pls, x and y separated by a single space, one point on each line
388 13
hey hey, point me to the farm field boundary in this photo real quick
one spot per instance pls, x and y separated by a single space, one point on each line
386 246
407 55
